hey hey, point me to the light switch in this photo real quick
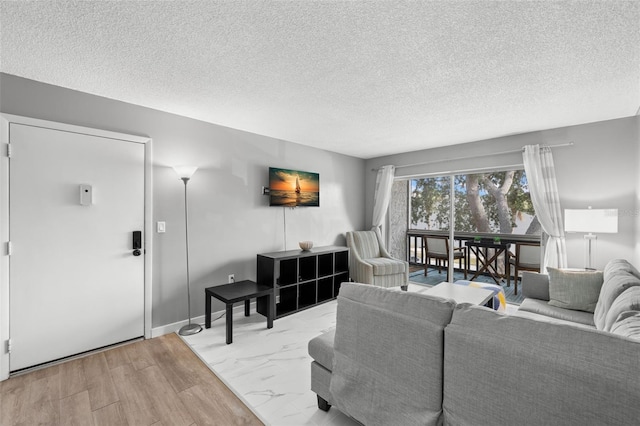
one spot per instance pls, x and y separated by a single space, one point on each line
161 227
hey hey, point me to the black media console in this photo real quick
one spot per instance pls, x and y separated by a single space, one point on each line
302 279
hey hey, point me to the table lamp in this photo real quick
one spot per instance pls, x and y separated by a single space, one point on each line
591 221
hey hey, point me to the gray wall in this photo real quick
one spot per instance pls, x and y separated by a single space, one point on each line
601 170
230 220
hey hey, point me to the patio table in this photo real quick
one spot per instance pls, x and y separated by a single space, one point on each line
486 262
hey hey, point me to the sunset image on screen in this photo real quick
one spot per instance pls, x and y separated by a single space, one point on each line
291 188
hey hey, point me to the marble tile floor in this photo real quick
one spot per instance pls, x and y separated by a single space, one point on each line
269 369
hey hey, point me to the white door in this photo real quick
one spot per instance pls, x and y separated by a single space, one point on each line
75 284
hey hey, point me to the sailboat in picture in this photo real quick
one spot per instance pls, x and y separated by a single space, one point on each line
293 188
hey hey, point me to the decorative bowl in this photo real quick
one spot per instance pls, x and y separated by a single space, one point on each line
306 245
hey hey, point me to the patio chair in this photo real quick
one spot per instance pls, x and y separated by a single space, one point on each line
527 258
370 263
438 248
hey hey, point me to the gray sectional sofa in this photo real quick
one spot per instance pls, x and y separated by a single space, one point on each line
610 302
402 358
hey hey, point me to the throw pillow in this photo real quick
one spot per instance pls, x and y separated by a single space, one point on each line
629 300
612 287
627 325
577 290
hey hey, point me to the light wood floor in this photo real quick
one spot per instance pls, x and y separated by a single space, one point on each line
152 382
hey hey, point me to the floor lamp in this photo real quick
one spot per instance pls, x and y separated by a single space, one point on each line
185 173
592 221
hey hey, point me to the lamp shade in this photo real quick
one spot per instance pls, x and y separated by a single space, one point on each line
185 171
600 221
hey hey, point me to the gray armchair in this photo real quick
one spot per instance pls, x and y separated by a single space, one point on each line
370 263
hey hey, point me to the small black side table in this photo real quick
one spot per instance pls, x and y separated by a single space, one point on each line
237 292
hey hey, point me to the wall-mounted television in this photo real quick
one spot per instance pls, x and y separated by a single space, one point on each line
293 188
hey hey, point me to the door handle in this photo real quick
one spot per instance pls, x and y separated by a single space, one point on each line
137 243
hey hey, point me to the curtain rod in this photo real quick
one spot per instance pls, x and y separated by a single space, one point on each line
476 156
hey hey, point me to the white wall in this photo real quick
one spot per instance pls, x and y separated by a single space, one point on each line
600 170
230 220
636 212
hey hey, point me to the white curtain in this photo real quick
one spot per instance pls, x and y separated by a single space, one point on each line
541 175
382 196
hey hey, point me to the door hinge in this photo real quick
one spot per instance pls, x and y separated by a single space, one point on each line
9 150
9 248
9 346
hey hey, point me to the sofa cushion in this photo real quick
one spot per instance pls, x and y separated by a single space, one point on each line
506 370
542 307
615 266
321 348
386 266
544 318
388 350
627 325
578 290
536 285
612 287
629 300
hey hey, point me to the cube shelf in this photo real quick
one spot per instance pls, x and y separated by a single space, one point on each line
325 289
306 295
339 279
287 298
342 262
288 272
302 279
307 268
325 265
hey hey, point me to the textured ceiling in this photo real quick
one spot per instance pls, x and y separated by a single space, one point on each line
364 78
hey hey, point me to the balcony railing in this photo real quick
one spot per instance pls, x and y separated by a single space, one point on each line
416 254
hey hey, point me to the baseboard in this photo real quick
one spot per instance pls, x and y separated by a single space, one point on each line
219 315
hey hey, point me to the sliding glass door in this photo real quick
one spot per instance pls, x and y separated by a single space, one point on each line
465 206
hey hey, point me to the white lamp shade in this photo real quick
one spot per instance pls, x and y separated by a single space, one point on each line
185 171
599 221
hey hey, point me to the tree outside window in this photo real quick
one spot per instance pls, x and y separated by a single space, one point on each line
492 202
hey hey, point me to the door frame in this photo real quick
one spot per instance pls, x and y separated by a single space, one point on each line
5 120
